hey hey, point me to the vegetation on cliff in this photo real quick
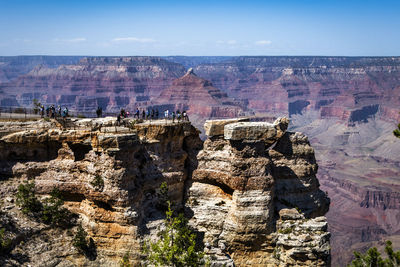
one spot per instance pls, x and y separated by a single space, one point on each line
373 258
51 211
5 242
26 198
396 132
176 245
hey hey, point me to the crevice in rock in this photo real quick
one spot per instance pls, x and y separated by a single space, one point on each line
74 197
103 205
224 187
80 150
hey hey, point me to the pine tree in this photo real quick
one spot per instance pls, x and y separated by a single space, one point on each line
176 245
53 212
80 241
5 243
372 258
26 198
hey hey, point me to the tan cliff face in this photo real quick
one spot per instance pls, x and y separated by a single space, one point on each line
236 190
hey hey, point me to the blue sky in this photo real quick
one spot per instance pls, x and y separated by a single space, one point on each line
149 27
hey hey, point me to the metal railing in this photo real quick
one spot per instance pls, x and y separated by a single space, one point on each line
26 113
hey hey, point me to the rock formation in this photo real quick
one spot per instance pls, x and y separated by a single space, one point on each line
348 106
13 67
108 82
335 86
232 191
198 97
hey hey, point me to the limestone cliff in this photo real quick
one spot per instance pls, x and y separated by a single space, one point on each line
240 189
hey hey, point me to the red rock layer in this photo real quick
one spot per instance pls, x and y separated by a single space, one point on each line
198 96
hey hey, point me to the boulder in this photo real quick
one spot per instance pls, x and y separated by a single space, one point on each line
256 131
290 214
216 127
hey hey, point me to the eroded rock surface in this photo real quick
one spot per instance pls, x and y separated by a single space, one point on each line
232 191
241 184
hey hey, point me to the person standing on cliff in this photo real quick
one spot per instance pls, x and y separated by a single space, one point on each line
137 113
173 116
143 114
41 111
178 115
185 116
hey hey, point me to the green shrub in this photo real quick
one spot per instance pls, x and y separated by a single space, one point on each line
396 132
162 196
125 262
5 243
79 241
373 258
176 245
26 198
98 182
53 212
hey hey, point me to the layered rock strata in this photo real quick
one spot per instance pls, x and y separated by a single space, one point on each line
241 183
198 96
231 189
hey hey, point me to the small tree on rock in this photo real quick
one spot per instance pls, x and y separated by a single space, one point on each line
53 212
176 245
26 198
80 241
5 243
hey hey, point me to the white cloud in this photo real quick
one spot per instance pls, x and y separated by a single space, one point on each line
263 42
229 42
133 39
73 40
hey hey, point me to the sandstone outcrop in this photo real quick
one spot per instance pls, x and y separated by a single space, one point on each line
216 127
232 191
239 186
300 241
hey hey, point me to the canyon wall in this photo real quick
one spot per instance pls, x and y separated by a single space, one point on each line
337 86
250 192
108 82
13 67
348 106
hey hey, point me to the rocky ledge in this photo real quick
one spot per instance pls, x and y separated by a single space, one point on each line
240 189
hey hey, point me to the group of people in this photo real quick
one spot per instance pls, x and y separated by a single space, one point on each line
176 115
145 114
53 112
151 114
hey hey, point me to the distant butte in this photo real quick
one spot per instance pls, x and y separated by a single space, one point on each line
198 96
